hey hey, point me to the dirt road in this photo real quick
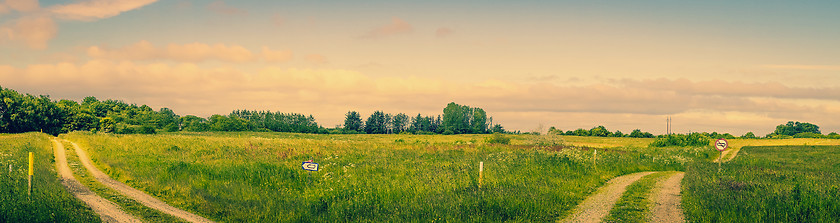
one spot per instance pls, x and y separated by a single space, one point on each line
667 199
135 194
597 206
108 212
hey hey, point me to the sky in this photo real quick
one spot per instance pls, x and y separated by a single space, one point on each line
724 66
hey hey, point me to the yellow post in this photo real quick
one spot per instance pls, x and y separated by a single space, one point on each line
31 170
480 174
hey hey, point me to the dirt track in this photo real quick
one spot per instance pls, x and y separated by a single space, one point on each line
108 212
135 194
597 206
667 199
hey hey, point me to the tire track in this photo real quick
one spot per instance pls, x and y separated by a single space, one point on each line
132 193
597 206
667 200
108 211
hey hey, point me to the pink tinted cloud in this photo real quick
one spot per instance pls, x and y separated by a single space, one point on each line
222 8
443 32
32 31
276 56
97 9
397 26
22 5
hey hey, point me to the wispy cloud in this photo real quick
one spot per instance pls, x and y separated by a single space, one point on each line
33 31
803 67
225 9
97 9
23 5
397 26
191 52
443 32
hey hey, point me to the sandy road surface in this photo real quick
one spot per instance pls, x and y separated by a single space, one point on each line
597 206
107 211
135 194
667 199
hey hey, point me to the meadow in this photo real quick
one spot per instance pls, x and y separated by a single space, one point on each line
767 184
49 202
374 178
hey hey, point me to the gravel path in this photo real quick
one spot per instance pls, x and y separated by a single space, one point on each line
135 194
667 199
108 212
597 206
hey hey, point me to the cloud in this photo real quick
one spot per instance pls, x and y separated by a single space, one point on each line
803 67
192 89
33 31
277 20
222 8
191 52
3 9
397 26
443 32
23 5
276 56
316 58
97 9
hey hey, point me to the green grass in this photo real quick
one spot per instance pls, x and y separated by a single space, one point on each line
635 203
128 205
50 201
766 184
368 178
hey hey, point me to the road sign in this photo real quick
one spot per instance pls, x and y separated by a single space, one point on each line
721 144
310 166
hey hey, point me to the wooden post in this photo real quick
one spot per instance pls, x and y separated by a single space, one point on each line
31 170
480 174
595 158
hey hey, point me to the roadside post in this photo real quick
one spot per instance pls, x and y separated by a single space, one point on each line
31 171
595 158
721 145
480 174
310 166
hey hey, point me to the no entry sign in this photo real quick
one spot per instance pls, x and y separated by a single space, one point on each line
721 144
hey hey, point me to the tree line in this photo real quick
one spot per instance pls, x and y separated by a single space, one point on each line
456 119
27 113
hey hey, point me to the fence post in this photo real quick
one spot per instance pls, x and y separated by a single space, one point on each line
31 170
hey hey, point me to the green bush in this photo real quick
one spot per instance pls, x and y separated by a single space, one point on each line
693 139
498 138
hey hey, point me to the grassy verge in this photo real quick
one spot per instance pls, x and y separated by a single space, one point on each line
128 205
634 205
391 178
50 201
766 184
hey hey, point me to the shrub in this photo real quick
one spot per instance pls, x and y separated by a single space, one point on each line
498 138
693 139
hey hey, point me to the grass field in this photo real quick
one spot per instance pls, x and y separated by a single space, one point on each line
50 202
257 176
766 184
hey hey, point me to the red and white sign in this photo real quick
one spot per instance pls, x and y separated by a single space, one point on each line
721 144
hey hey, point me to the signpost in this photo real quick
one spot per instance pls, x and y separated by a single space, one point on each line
310 166
721 145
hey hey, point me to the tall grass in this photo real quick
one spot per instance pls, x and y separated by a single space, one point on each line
766 184
50 201
368 178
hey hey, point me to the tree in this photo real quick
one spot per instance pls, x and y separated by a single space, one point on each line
353 121
400 123
792 128
748 135
194 123
600 131
107 124
376 123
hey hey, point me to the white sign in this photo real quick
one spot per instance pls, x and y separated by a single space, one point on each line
721 144
310 166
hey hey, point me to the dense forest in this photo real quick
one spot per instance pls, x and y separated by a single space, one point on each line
26 113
